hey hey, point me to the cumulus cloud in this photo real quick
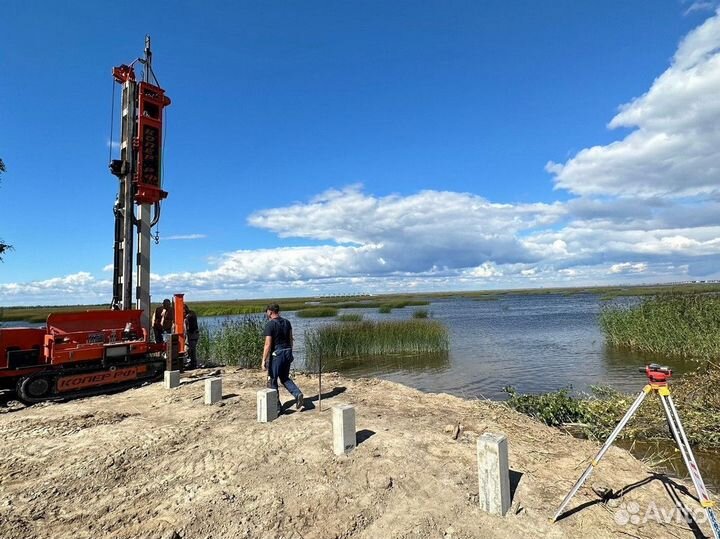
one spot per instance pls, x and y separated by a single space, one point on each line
645 208
80 287
628 267
415 233
672 150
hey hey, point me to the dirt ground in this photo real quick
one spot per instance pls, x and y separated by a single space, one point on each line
157 463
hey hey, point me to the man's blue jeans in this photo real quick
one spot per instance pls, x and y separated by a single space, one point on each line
280 370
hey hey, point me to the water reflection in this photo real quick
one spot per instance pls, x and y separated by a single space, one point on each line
383 365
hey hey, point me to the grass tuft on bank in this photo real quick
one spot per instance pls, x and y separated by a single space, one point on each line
237 341
350 317
317 312
368 338
595 415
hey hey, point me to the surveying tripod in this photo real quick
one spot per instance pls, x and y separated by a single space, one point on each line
658 382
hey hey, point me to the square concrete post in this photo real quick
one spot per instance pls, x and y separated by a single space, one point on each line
267 405
172 379
493 473
344 436
213 390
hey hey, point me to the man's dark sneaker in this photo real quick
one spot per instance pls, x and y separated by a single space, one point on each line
299 401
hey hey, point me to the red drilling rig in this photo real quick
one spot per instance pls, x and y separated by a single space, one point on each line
84 353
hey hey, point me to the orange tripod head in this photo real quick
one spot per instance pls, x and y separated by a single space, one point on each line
656 373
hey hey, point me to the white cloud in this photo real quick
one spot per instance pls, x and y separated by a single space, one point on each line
672 151
75 288
627 267
108 267
647 208
444 229
700 5
487 269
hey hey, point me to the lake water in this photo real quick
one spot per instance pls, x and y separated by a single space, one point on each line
534 343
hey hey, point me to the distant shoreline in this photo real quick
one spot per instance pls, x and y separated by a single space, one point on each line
38 313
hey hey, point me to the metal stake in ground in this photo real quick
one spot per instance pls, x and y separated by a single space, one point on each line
658 377
319 383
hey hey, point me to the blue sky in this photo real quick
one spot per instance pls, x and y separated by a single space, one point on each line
329 147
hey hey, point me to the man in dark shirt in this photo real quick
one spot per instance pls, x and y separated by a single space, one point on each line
192 334
162 320
277 354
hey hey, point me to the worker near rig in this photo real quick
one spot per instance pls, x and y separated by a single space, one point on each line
192 333
277 353
162 320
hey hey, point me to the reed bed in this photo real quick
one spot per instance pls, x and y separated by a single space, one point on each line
368 338
317 312
385 309
678 325
237 341
420 313
372 365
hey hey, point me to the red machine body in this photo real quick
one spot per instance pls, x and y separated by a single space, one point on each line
76 354
151 101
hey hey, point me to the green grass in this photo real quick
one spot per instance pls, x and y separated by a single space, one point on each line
350 317
385 309
361 339
420 313
236 342
598 413
679 325
317 312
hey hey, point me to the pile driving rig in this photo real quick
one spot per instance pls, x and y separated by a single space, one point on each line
83 353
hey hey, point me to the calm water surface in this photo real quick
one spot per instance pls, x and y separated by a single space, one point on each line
534 343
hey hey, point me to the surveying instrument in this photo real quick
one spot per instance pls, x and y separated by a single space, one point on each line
658 383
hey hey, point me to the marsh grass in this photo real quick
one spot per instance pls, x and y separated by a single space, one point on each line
385 309
317 312
683 326
420 313
372 365
237 341
597 413
368 338
350 317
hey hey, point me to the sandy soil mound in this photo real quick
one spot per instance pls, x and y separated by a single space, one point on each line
158 463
